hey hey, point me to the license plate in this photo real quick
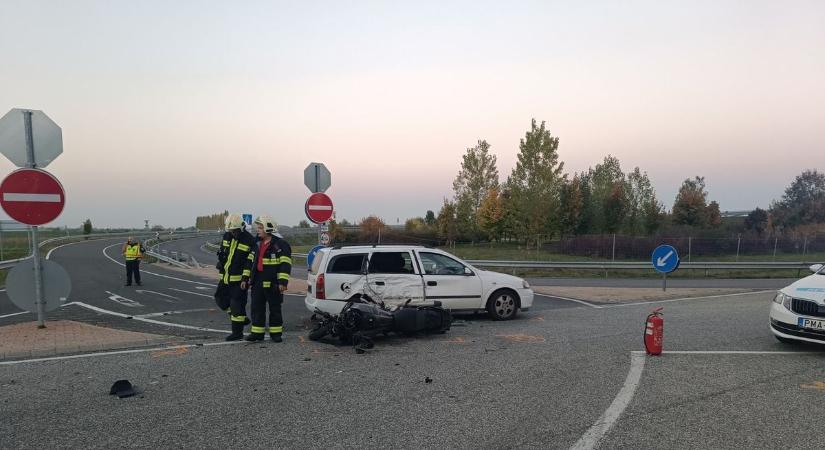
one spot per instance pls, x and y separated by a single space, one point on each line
811 324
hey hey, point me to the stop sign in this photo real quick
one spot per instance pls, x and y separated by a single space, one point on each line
32 196
319 207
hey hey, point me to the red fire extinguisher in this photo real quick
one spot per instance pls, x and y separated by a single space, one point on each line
654 332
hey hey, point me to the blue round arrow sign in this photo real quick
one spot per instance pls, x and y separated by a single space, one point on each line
665 259
312 253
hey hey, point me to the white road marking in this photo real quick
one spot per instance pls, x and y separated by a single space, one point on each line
595 433
153 273
142 319
14 314
706 297
180 311
21 197
144 291
190 292
203 288
49 254
118 352
123 300
731 352
570 300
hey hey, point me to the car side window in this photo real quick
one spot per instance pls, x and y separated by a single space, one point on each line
438 264
351 263
391 262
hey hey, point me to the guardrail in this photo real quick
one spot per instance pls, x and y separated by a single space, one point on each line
80 237
633 265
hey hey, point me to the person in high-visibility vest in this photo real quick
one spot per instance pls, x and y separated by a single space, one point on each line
235 264
272 264
133 252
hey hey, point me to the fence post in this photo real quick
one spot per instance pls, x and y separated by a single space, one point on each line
738 244
690 244
775 242
804 248
614 247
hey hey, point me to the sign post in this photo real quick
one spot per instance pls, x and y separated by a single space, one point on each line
29 205
318 179
665 260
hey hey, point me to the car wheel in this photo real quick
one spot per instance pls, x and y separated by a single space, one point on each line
784 340
503 305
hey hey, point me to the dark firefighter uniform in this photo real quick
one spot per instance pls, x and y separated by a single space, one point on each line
234 261
271 269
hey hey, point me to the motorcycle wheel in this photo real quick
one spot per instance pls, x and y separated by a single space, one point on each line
318 332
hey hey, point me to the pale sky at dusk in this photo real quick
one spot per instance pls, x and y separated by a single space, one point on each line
174 109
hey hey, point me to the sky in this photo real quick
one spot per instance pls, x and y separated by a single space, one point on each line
171 110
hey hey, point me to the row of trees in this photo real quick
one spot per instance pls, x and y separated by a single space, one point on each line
211 222
539 199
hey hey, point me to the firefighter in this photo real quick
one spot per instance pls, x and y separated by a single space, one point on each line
235 262
272 265
133 252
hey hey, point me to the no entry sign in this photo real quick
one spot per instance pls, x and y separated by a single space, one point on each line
32 196
319 207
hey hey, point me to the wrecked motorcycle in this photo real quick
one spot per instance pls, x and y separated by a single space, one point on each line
362 318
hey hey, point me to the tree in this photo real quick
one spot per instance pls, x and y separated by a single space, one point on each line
429 218
571 205
757 221
653 212
336 232
713 215
303 224
690 207
603 180
491 214
535 182
446 222
415 225
87 226
477 176
615 208
371 228
639 193
802 203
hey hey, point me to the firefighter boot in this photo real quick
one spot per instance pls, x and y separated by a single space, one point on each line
276 337
237 332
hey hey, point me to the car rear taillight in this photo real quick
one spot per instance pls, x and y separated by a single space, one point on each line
320 290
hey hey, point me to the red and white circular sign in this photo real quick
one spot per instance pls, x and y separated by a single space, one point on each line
32 196
319 207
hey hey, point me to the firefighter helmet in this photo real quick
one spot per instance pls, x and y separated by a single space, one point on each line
268 223
234 222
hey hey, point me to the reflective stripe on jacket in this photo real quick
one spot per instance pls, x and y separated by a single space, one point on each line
238 264
132 252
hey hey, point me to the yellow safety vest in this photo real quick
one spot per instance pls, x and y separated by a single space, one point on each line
132 252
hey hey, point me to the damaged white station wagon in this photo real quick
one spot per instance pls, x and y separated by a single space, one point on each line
397 274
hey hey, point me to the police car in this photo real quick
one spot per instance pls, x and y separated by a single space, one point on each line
397 274
798 311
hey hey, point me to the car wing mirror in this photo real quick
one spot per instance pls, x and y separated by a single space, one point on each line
468 272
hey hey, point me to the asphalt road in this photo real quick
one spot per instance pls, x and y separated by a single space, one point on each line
559 375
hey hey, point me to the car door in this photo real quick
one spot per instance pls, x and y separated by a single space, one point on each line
392 277
450 281
343 275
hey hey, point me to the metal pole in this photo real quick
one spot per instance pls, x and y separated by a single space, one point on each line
804 248
38 275
664 282
738 243
1 242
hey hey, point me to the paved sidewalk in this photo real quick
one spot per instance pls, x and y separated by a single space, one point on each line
25 340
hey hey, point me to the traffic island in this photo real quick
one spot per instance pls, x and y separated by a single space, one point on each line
630 295
62 337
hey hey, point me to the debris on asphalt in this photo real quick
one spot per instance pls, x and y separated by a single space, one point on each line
122 388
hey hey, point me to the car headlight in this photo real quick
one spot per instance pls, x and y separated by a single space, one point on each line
782 299
525 284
